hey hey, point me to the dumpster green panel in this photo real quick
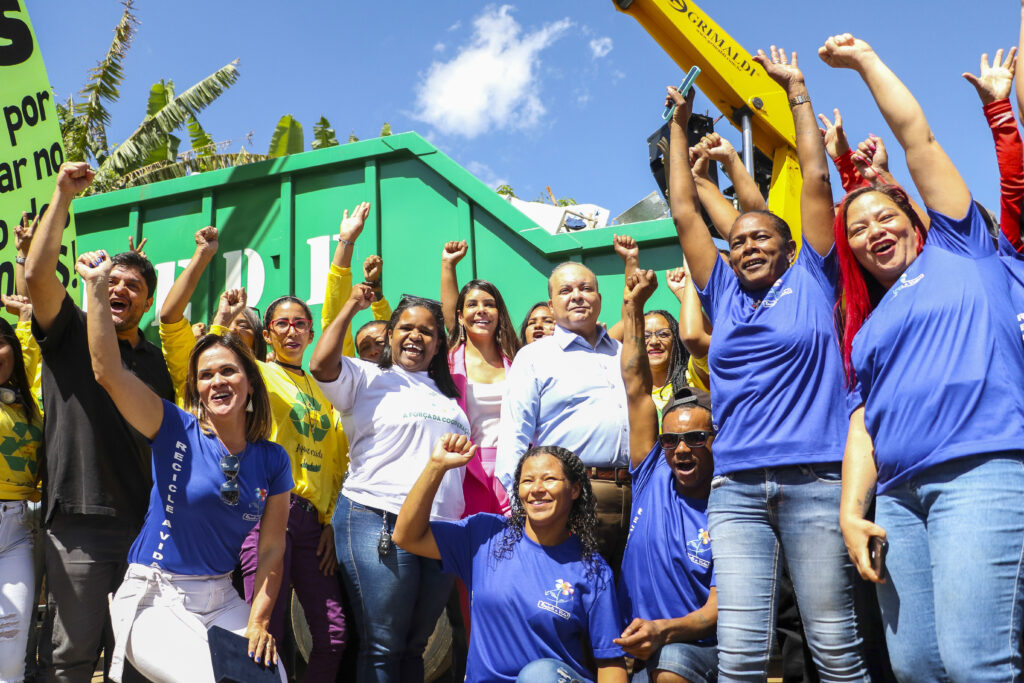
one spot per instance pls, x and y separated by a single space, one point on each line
279 219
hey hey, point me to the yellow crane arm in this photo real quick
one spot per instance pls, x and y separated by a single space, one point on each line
735 84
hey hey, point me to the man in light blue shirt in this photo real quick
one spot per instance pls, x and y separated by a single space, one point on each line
566 390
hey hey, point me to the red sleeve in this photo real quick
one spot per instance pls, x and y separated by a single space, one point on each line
1010 154
848 173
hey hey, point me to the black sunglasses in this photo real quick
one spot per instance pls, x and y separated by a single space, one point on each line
229 489
695 439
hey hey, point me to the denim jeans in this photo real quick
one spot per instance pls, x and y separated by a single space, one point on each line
17 588
549 671
758 519
695 663
396 598
952 605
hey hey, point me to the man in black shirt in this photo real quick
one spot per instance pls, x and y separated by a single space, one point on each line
96 470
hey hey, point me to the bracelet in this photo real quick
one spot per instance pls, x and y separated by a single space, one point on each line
372 284
345 241
799 99
20 260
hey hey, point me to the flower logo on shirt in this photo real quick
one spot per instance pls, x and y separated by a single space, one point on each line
698 549
261 495
562 592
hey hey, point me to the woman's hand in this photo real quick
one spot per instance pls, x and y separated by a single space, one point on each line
262 648
362 296
994 82
452 451
783 70
843 51
18 305
373 268
871 160
639 287
325 551
206 240
198 329
626 247
676 281
834 136
857 534
23 233
232 303
93 266
683 105
352 226
454 252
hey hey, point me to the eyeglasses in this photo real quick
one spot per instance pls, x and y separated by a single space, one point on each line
663 335
695 439
229 489
281 325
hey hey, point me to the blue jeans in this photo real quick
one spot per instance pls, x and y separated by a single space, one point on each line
952 604
549 671
696 663
396 599
757 518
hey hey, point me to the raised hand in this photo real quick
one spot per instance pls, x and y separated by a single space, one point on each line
843 51
626 247
639 287
18 305
352 226
206 240
362 296
453 450
782 68
232 303
74 176
23 233
684 105
93 265
137 249
198 330
834 136
373 268
454 252
676 280
717 148
700 164
994 82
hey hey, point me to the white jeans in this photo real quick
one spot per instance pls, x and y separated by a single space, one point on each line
160 621
17 588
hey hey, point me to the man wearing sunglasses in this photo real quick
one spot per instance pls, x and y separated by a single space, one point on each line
667 585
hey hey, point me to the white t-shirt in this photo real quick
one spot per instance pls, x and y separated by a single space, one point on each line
483 403
393 418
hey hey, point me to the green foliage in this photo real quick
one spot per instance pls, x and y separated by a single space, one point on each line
505 191
385 130
566 201
352 137
323 134
287 138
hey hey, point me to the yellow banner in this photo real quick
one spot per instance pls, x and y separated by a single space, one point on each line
31 147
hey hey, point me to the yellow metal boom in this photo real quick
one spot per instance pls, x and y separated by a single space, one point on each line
735 84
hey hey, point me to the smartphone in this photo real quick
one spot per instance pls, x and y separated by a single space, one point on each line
684 90
877 547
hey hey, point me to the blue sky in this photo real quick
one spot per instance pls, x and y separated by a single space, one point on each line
531 92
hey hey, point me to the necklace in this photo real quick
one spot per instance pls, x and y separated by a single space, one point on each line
297 368
304 397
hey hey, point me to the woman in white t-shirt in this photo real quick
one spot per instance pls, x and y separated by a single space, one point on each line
393 412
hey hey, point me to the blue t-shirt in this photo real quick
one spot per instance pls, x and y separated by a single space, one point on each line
188 529
1013 261
667 568
537 602
940 359
777 383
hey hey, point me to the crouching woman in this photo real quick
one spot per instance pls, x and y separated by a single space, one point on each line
542 597
214 477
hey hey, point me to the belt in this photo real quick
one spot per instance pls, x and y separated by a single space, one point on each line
617 474
302 503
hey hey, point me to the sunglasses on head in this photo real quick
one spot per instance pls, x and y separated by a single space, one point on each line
695 439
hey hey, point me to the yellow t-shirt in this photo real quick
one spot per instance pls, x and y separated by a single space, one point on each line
307 426
339 288
177 342
19 447
696 371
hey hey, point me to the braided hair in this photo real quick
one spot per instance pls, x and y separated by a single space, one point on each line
676 374
582 517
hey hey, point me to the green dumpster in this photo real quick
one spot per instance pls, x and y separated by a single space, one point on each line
278 220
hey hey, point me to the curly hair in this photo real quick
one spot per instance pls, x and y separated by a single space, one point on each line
582 517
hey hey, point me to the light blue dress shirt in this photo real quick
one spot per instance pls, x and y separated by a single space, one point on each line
560 391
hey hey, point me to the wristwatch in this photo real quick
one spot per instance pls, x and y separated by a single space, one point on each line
799 99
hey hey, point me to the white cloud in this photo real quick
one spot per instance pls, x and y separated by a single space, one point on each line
487 176
600 47
456 26
439 47
492 82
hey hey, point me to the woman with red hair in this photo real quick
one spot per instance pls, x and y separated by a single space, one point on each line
933 350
